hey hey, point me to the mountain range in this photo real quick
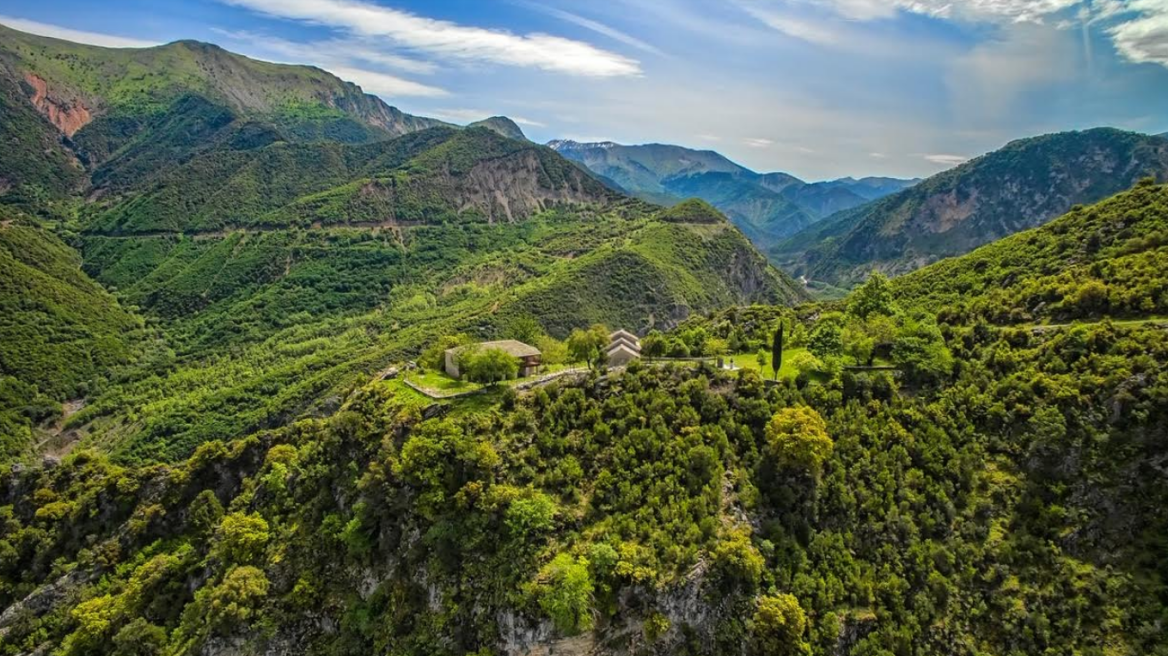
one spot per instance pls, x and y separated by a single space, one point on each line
227 289
232 205
767 207
1023 185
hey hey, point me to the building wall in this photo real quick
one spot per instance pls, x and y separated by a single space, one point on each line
451 365
621 358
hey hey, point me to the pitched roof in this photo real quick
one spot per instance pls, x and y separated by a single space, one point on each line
625 334
508 346
625 348
622 344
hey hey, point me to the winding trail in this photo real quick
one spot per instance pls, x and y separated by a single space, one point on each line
219 233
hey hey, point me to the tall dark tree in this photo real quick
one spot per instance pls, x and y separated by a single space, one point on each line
777 351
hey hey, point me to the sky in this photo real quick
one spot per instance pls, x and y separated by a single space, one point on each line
817 88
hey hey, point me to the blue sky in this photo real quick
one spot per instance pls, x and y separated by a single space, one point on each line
818 88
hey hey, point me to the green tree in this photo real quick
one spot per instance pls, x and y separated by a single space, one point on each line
588 345
205 513
737 561
654 345
798 437
873 297
564 588
827 337
139 638
524 328
237 599
777 351
552 351
530 516
491 366
434 357
779 624
920 351
242 538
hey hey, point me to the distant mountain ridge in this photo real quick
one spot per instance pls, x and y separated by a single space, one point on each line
1023 185
767 207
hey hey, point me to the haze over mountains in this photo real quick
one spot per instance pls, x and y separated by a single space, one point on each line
767 207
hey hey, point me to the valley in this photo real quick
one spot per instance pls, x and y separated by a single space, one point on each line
287 370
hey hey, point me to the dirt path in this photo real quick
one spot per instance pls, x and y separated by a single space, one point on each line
219 233
60 441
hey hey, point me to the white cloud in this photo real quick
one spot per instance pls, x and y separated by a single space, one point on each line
77 36
1144 37
976 10
383 84
451 40
758 143
339 52
341 58
877 155
946 160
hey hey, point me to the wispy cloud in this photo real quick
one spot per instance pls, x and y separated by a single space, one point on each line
342 58
946 160
877 155
473 115
978 10
451 40
755 142
77 36
595 26
383 84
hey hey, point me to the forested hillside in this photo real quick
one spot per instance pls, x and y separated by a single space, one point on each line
999 493
227 290
1021 186
59 330
1105 260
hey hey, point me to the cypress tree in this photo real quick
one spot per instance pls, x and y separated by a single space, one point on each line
777 351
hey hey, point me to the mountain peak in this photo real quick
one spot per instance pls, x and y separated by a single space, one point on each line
501 125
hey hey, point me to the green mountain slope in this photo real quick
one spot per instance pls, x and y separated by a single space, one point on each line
1103 260
77 84
61 334
1012 505
128 114
1021 186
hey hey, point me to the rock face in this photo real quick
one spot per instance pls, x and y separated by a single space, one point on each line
516 187
68 116
1021 186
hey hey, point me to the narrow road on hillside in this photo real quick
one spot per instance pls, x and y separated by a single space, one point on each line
219 233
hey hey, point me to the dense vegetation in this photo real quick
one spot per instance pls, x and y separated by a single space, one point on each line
936 464
672 510
1021 186
59 330
1106 260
